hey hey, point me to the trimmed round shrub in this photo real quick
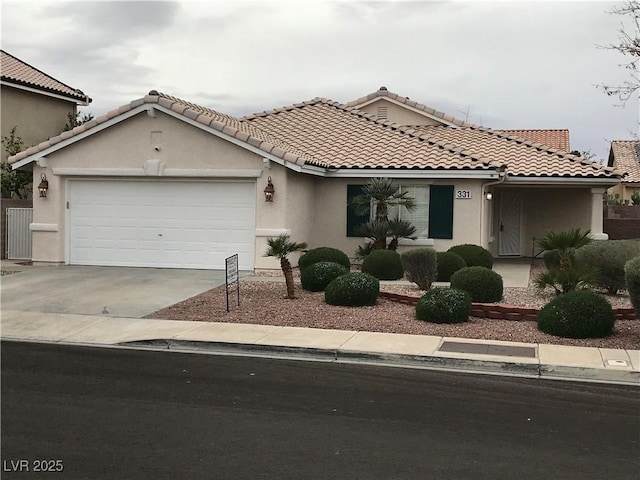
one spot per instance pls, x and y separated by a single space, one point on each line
484 285
473 255
447 264
323 254
383 264
632 277
316 277
444 305
609 257
577 314
353 290
419 266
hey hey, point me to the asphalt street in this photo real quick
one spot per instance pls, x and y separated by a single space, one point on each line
100 413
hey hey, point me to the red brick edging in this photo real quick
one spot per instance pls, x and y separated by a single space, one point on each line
501 311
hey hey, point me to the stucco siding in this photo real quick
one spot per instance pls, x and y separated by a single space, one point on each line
38 117
129 145
546 209
329 228
398 114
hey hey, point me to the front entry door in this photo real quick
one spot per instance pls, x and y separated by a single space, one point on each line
510 215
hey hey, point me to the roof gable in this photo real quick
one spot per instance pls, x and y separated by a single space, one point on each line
428 112
625 157
15 72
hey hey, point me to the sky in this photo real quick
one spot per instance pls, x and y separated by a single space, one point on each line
503 65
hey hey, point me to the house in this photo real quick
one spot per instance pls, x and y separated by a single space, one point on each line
34 102
162 182
624 156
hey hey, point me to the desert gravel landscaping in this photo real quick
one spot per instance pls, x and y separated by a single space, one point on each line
262 302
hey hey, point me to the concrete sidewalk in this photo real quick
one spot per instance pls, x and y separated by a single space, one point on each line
413 351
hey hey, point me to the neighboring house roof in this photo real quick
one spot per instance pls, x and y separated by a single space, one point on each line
328 135
624 156
14 71
555 138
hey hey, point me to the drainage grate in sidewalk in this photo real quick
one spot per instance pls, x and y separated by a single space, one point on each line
488 349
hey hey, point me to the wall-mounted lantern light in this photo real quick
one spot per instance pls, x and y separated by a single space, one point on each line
269 191
44 186
488 195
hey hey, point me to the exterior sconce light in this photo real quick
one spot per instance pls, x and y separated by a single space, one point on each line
269 191
43 186
488 195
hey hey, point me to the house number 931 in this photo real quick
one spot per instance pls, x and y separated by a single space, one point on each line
463 194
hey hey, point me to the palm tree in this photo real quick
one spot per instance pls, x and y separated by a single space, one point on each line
280 247
383 194
565 243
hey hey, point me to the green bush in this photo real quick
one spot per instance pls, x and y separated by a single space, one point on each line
419 265
632 277
609 257
448 263
577 314
383 264
473 255
482 284
324 254
444 305
316 277
353 290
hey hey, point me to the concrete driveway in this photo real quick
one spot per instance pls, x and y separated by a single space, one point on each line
111 291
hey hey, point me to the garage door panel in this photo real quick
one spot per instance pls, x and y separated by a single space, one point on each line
161 224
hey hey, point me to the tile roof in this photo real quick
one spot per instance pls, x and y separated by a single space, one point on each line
524 158
625 157
344 137
555 138
330 135
14 70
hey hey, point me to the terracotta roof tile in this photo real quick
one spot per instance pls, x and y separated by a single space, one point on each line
625 157
557 138
523 158
14 70
343 137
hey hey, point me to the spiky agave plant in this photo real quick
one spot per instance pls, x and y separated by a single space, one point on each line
280 247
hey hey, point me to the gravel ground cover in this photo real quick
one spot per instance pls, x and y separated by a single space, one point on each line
263 302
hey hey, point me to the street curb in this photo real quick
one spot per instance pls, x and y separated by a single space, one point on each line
491 367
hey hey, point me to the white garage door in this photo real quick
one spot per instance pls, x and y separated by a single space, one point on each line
161 224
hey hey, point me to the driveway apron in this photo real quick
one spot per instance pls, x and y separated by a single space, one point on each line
111 291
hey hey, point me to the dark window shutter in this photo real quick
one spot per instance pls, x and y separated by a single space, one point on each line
441 211
353 219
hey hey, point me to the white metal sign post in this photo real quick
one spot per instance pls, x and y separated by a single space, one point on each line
231 269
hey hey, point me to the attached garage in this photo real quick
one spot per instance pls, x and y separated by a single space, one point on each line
163 224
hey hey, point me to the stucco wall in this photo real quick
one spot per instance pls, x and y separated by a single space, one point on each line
329 228
38 117
625 191
398 114
545 209
130 144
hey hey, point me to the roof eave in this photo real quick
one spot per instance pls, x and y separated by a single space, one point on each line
83 100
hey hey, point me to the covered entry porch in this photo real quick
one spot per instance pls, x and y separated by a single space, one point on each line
516 216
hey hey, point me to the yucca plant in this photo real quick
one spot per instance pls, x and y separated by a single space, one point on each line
280 247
